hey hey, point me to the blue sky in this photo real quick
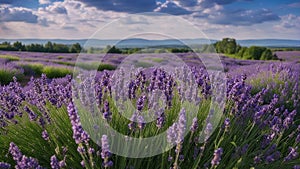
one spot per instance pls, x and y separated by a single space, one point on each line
75 19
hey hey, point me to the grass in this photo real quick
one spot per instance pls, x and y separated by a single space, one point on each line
157 60
10 57
6 76
36 69
56 72
33 69
60 57
234 56
64 63
143 64
95 66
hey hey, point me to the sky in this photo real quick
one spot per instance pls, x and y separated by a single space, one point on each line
80 19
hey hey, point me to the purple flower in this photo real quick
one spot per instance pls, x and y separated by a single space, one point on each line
293 154
21 160
273 157
62 163
217 157
172 134
15 152
91 150
257 160
45 135
207 131
106 111
297 140
105 153
140 103
160 120
227 124
194 126
296 167
181 157
54 162
79 134
181 126
289 119
81 149
82 163
4 165
31 114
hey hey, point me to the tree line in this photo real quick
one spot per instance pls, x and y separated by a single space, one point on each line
229 46
48 47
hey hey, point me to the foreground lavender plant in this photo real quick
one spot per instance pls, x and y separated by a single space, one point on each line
217 157
4 165
79 135
21 160
105 153
260 128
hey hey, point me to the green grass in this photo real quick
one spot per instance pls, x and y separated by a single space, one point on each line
36 69
143 64
157 60
234 56
56 72
95 66
10 57
60 57
6 76
64 63
33 69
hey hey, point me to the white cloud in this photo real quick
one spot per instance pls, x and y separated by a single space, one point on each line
17 14
43 2
76 19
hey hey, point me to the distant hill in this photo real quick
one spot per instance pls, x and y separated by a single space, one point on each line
270 42
141 43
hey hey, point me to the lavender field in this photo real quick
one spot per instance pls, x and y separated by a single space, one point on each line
52 118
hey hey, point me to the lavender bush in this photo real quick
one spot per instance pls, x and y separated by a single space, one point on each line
40 126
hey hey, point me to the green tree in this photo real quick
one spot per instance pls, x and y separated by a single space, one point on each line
49 47
254 52
75 48
241 52
113 49
18 46
266 55
227 46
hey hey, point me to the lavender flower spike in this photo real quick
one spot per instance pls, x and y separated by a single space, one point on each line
194 126
293 154
105 154
217 157
79 134
181 126
54 162
4 165
21 160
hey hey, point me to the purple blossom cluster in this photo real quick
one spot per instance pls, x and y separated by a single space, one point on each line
79 135
217 157
271 111
21 160
176 132
105 153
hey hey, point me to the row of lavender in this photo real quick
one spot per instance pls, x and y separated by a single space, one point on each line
260 127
